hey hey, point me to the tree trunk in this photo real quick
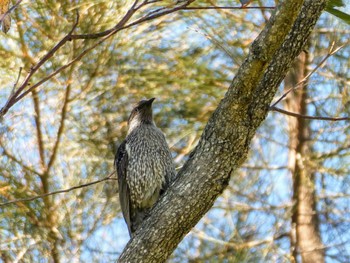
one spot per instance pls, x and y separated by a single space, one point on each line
305 233
225 142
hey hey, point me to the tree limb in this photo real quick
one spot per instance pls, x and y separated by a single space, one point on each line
109 177
23 89
225 141
297 115
227 7
330 53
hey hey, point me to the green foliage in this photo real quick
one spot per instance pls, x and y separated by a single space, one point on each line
185 60
331 8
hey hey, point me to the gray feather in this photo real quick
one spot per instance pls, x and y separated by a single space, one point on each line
121 163
144 165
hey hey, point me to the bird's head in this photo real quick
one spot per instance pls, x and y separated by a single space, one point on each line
141 113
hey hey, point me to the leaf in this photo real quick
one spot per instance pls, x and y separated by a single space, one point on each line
343 16
334 3
6 21
340 14
6 24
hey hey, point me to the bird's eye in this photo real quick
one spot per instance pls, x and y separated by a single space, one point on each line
136 110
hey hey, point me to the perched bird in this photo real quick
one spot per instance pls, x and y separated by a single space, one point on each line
144 165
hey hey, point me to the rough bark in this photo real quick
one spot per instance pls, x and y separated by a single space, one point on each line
225 141
306 238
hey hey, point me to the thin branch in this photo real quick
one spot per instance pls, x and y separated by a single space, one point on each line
166 12
336 152
39 134
214 41
19 94
333 196
253 167
309 117
80 56
119 26
109 177
12 100
37 111
60 128
13 90
13 158
17 80
330 53
62 121
239 246
227 7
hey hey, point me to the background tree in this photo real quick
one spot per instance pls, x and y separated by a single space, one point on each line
65 134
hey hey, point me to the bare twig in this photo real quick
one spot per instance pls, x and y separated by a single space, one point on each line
122 24
309 117
119 26
62 121
333 196
214 41
227 7
14 97
77 58
254 167
39 133
331 52
249 244
21 163
109 177
156 15
13 89
20 93
18 77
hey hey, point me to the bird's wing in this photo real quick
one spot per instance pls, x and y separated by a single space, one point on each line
121 164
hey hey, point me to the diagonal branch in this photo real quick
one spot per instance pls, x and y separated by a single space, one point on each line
240 246
122 24
62 121
109 177
310 117
330 53
13 98
225 141
20 162
38 128
227 7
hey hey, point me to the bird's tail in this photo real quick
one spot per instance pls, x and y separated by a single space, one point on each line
138 216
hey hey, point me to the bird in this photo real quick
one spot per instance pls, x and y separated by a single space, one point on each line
144 165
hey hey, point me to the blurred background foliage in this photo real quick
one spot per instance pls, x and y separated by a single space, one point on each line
66 132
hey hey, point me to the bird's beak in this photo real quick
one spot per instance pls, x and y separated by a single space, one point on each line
150 101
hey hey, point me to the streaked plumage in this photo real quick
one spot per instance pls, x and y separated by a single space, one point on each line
144 165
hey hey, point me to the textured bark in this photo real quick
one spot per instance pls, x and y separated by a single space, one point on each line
225 141
306 238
